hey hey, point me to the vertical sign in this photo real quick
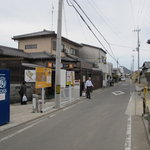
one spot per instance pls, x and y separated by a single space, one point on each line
4 96
63 78
70 77
43 77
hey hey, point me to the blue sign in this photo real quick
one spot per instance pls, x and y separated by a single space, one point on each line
4 96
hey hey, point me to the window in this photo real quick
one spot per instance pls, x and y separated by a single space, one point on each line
32 46
54 44
104 60
74 52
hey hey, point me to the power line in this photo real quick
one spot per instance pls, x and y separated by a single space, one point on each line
131 5
94 26
92 32
125 46
68 3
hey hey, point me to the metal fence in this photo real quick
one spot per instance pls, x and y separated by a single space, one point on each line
70 94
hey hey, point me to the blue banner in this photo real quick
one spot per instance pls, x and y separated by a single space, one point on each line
4 96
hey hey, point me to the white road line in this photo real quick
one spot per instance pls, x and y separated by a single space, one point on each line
130 110
52 116
128 134
68 107
72 106
118 93
19 131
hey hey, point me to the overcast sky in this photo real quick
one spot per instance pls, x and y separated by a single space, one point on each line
115 19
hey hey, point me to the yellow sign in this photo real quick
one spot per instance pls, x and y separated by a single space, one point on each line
43 77
57 89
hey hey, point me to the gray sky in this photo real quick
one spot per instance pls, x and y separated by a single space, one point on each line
115 19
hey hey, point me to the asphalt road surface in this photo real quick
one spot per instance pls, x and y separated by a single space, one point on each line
96 124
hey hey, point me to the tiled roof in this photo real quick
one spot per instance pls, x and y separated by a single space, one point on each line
8 51
93 47
44 33
41 55
35 34
146 65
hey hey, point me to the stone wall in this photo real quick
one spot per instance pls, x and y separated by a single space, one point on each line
14 95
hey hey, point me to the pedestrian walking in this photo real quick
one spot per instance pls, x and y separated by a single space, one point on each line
22 93
88 87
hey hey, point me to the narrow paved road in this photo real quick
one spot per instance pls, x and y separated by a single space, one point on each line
96 124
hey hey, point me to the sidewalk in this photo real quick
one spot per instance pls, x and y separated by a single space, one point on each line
20 114
139 105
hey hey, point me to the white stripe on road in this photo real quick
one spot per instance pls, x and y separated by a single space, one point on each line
118 93
72 106
19 131
52 116
68 107
131 108
128 135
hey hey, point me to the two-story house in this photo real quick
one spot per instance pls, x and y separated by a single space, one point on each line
45 41
97 56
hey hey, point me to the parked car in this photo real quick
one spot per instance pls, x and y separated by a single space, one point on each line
123 79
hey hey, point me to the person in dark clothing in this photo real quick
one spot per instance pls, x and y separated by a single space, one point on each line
22 92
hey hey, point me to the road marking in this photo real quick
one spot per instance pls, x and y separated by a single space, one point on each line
131 108
73 105
118 92
69 107
51 116
19 131
128 134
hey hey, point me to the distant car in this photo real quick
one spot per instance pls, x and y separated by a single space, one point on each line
123 79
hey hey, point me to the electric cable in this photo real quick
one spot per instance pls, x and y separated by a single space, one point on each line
94 26
93 32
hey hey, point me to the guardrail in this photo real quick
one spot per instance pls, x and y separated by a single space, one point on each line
70 94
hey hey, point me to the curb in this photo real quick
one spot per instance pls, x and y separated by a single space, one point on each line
47 113
44 114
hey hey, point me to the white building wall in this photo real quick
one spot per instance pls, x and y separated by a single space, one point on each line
97 56
94 55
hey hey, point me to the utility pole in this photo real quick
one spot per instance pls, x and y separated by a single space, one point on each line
117 63
138 50
52 15
58 57
132 63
